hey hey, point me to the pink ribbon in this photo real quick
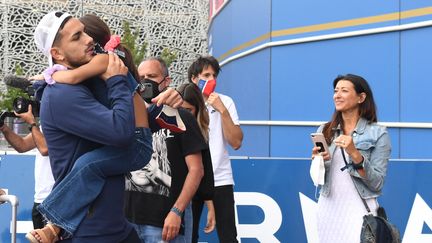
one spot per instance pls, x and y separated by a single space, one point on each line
112 43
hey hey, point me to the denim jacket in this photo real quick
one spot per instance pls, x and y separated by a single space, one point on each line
373 142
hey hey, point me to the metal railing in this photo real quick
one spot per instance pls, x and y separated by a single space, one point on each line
13 200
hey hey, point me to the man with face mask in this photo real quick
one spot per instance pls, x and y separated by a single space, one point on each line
224 130
159 207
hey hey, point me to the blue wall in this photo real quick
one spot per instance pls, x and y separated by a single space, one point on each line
276 191
294 82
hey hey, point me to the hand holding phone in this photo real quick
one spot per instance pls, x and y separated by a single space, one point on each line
318 140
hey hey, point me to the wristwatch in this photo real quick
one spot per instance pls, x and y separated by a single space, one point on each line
31 126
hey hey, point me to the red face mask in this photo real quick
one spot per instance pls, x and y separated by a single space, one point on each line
207 87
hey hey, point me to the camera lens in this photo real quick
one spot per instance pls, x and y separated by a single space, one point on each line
20 104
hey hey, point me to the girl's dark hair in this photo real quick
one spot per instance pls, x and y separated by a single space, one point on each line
96 28
367 109
191 94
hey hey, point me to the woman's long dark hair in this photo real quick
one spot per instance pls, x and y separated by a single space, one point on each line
191 94
96 28
367 109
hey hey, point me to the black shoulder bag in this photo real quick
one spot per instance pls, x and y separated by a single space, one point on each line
375 229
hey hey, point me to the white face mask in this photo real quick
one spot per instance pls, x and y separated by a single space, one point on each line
317 170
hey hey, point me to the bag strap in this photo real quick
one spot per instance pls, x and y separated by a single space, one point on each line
346 166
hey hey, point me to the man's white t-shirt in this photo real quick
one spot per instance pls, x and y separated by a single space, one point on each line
218 144
44 179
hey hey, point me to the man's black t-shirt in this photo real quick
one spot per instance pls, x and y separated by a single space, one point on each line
152 191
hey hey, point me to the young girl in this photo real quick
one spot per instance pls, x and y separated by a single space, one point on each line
194 102
91 169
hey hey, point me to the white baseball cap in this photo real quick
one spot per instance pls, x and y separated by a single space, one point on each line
46 31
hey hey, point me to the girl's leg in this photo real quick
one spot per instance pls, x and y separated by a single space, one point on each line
87 178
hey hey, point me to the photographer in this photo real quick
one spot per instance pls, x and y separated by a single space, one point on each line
43 176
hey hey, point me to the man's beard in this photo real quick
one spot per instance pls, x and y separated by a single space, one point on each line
76 64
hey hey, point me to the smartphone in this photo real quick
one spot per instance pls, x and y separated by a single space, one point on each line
318 140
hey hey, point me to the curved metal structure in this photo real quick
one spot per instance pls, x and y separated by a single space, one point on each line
180 25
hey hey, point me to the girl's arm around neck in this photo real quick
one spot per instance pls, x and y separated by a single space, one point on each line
95 67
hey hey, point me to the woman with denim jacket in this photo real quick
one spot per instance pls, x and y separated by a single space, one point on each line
353 130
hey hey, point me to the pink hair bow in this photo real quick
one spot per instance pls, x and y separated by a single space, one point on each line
112 44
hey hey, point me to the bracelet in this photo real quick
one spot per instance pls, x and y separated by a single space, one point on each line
31 126
358 166
177 211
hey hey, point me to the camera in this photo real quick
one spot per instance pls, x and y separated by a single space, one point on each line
148 89
20 105
33 89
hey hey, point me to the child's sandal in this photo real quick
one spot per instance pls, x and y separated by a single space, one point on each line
47 235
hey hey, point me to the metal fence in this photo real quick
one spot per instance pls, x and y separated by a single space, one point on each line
180 25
